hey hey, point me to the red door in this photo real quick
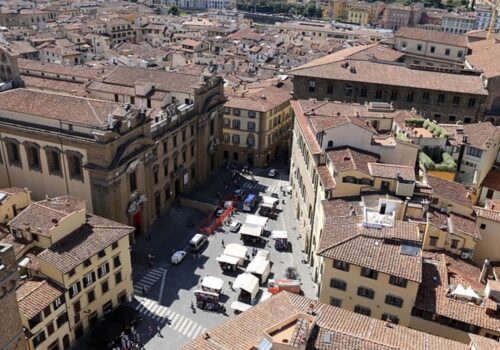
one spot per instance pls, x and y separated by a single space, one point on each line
138 222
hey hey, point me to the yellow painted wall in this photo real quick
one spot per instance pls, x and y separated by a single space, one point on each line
345 189
489 246
381 287
443 175
19 200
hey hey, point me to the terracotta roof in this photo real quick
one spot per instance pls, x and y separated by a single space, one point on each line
34 296
22 47
347 159
310 138
326 178
341 207
481 135
483 343
38 83
93 236
348 330
484 57
378 249
320 123
262 100
40 217
465 225
371 197
335 108
369 72
492 180
488 214
17 244
72 109
432 295
75 71
438 219
162 80
391 171
451 190
433 36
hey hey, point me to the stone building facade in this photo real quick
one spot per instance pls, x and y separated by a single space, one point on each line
11 328
127 162
442 96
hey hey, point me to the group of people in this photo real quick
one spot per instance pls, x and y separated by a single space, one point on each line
130 340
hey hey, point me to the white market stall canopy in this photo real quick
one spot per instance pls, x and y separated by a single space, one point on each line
276 234
269 201
227 259
251 230
236 250
248 283
238 305
258 266
212 282
256 220
263 254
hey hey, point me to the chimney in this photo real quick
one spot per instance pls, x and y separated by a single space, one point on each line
484 270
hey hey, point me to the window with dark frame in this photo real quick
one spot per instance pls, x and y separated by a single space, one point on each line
369 273
393 300
362 310
338 284
340 265
366 292
398 281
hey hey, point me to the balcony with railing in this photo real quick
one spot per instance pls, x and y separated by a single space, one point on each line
170 118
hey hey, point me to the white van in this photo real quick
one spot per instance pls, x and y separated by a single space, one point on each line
197 241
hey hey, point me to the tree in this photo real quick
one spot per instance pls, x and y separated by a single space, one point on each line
311 10
174 10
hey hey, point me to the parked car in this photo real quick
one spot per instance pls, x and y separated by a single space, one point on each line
272 172
197 241
235 226
177 257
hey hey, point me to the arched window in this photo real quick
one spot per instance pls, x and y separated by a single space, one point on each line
33 155
330 144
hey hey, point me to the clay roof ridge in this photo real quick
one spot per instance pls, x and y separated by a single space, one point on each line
40 204
33 290
365 338
356 235
94 112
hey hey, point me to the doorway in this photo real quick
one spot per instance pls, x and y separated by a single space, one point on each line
250 158
78 331
177 187
66 342
137 222
383 208
384 186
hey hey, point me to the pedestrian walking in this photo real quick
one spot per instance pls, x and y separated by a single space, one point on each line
150 331
158 328
223 245
143 291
